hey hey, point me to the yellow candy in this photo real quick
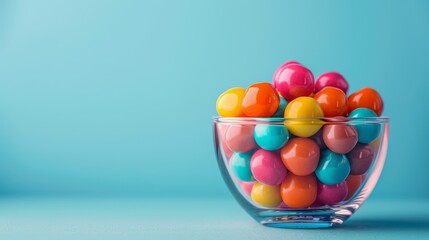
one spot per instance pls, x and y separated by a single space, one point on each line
303 107
229 103
266 195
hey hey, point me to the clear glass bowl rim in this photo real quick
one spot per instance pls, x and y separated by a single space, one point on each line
278 120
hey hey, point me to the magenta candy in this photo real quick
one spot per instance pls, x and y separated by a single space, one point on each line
239 138
267 167
340 138
294 80
360 158
331 194
222 132
331 79
279 69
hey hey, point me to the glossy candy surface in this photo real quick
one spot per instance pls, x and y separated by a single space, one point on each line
267 167
354 182
303 107
331 79
333 101
222 128
333 168
331 194
260 100
366 98
281 109
300 156
340 138
239 138
299 191
280 69
367 132
360 158
266 195
246 187
229 103
240 166
294 80
271 137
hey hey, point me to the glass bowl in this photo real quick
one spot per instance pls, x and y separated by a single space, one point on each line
272 188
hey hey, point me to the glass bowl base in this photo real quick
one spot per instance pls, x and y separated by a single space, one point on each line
304 219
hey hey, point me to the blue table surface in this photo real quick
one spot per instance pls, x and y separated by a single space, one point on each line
201 218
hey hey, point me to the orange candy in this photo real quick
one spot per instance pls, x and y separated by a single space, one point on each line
353 183
366 98
333 101
299 191
260 100
300 156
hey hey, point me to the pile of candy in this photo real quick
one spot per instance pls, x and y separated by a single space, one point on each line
303 162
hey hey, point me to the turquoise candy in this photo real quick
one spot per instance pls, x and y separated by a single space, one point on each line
367 132
240 166
271 137
281 109
333 168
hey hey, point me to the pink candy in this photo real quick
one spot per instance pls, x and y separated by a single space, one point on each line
293 80
239 138
331 79
267 167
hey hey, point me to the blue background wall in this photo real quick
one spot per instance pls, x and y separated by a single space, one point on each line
116 97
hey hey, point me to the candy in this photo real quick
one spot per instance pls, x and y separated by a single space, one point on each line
239 138
240 166
266 195
222 128
331 194
366 98
353 184
360 158
260 100
367 132
300 156
229 103
299 191
318 138
303 107
340 138
333 101
294 80
280 69
267 167
333 168
246 187
281 109
331 79
271 137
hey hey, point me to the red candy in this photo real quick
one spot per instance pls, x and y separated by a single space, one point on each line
366 98
260 100
294 80
331 79
333 101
